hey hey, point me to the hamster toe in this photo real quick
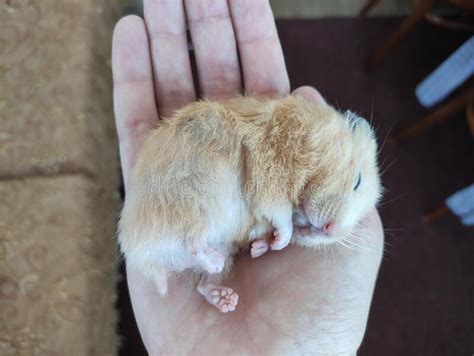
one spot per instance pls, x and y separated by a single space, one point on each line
215 300
260 244
257 252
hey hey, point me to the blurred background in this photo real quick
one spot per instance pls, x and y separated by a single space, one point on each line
405 65
314 8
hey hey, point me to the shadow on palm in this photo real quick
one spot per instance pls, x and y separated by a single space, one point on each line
293 300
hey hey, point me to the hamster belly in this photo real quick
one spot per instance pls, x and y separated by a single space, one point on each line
223 211
229 215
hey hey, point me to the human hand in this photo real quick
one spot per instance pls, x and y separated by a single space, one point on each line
294 301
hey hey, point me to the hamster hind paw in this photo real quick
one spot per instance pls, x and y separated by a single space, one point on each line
223 298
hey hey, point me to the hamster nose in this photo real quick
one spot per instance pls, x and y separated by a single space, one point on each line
328 228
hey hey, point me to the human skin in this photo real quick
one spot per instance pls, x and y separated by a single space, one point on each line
294 301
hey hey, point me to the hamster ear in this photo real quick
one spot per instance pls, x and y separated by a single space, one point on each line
354 119
358 122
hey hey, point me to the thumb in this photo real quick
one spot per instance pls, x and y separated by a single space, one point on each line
310 94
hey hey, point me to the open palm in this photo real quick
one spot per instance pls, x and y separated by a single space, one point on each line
295 301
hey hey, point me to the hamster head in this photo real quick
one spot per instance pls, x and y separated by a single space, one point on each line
347 183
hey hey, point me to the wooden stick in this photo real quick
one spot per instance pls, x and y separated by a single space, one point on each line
452 25
369 4
396 37
435 214
442 113
470 118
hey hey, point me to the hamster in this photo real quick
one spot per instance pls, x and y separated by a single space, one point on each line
219 176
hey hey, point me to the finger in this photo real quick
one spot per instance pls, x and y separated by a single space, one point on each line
261 56
310 94
214 47
166 26
134 102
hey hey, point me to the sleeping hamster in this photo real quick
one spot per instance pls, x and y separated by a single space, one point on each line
218 176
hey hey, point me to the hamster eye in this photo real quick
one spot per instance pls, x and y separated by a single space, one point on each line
359 178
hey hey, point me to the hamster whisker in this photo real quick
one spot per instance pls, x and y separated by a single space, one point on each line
350 246
345 245
360 228
390 234
388 167
371 112
400 229
326 248
356 243
392 200
389 131
384 166
333 247
358 237
387 247
361 234
383 162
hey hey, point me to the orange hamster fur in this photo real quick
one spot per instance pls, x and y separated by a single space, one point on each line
218 176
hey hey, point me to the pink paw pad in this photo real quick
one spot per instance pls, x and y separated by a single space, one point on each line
224 299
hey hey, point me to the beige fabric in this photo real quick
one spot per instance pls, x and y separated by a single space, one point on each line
58 267
55 97
58 178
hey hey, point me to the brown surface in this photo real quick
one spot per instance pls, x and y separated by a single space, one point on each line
424 299
57 269
57 253
445 111
55 87
397 36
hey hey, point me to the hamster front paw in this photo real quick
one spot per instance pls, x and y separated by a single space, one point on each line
281 239
280 214
259 248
